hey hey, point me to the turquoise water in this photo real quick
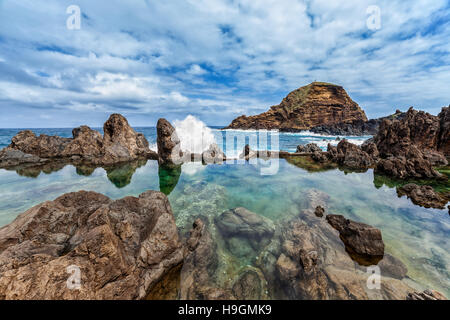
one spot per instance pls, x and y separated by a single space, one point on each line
415 235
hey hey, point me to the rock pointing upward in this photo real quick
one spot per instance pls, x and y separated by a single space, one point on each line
316 104
120 143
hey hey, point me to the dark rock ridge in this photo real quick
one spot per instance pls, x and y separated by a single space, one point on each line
362 241
121 247
120 143
356 127
315 104
424 196
408 148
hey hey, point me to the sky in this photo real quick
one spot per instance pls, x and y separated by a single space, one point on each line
215 59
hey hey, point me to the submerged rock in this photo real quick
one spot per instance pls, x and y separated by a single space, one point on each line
121 248
240 226
319 212
363 241
424 196
199 266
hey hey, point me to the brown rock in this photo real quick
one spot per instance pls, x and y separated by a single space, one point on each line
169 152
424 196
444 131
121 143
408 147
360 239
199 265
349 155
426 295
309 148
121 247
309 106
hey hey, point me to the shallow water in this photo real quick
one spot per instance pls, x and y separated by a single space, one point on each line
415 235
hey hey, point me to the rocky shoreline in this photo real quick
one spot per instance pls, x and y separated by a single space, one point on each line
131 249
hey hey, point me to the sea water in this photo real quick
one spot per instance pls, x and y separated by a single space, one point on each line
415 235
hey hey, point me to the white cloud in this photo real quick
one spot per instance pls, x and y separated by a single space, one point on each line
219 57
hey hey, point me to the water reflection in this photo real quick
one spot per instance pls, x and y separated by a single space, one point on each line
168 178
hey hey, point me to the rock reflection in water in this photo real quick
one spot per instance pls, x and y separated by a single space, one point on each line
121 175
168 178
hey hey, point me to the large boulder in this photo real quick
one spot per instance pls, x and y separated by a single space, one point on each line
169 151
86 143
121 143
118 248
349 155
363 241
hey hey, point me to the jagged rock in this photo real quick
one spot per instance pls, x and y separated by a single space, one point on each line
424 196
86 143
43 146
119 144
240 226
349 155
356 127
371 149
444 131
121 247
309 148
360 239
213 155
426 295
169 152
411 165
315 104
311 263
408 147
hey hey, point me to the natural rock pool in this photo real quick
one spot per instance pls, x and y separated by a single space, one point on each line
416 236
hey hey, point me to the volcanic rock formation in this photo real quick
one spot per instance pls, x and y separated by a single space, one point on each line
315 104
120 248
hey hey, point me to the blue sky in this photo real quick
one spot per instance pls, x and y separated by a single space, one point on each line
215 59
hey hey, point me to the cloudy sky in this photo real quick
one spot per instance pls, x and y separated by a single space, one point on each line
215 59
